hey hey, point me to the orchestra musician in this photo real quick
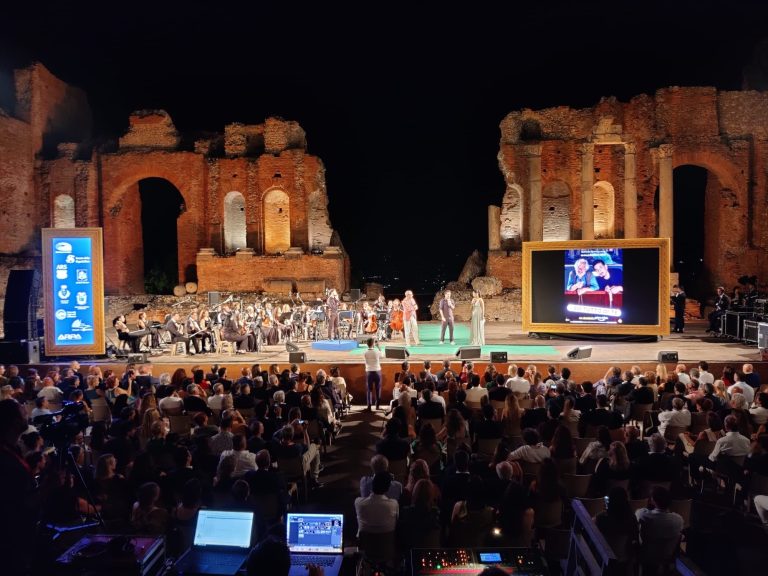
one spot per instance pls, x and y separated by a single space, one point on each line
722 303
124 334
268 329
233 329
381 304
197 334
333 314
152 339
206 324
371 325
176 330
396 319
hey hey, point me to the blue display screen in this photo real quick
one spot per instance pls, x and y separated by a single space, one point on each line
486 557
72 275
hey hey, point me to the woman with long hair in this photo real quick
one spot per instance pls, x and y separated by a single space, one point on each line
147 517
428 448
455 428
148 414
406 414
615 466
511 416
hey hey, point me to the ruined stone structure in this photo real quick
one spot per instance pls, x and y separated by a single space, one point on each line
606 172
253 214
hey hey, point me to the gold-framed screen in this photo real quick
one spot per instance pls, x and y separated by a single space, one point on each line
73 289
567 290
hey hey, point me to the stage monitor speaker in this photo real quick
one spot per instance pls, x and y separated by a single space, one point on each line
16 352
667 356
297 357
291 347
499 357
213 299
20 309
137 358
579 352
399 352
354 294
468 352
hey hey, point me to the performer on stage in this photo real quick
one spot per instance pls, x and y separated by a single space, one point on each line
678 301
409 318
333 314
234 331
197 334
477 320
176 330
124 334
722 302
446 307
381 304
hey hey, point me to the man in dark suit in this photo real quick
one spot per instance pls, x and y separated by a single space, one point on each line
429 409
643 394
392 445
602 416
585 403
656 466
678 303
176 329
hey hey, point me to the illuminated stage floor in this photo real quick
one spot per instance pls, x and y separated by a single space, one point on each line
691 346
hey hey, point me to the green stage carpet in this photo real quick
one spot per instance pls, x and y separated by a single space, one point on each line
429 335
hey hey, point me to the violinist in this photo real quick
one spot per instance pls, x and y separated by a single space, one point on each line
381 304
268 329
233 331
333 314
206 325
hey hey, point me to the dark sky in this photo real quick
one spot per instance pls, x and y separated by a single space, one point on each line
402 101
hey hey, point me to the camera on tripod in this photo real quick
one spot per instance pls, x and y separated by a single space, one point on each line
60 433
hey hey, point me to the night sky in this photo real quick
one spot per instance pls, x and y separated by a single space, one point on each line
402 103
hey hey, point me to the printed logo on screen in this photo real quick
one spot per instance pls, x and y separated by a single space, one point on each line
82 298
80 326
61 272
70 337
61 314
63 247
82 276
70 259
64 294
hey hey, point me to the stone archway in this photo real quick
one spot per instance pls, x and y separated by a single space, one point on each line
603 199
277 222
234 222
556 211
511 231
64 211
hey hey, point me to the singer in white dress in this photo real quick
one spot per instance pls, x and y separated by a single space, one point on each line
477 320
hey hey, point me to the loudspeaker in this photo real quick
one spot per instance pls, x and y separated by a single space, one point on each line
15 352
468 352
137 358
213 299
291 347
354 294
666 356
498 357
297 357
399 352
20 310
580 352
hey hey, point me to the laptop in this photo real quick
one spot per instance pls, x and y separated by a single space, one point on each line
315 539
221 545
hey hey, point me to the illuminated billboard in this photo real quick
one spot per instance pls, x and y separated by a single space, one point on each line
73 286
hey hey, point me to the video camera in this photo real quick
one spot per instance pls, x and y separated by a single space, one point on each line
61 432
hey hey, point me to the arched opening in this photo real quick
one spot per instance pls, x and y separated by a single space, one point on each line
277 222
161 205
556 211
604 209
64 211
512 217
234 222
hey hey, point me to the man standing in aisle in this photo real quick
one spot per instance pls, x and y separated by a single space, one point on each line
446 308
409 318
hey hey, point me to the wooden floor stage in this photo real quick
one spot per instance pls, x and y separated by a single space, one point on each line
692 346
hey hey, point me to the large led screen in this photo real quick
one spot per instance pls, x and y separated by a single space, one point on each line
600 286
74 291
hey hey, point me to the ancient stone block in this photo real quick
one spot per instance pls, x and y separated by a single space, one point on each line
487 285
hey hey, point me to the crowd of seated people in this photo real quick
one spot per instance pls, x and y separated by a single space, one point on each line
465 459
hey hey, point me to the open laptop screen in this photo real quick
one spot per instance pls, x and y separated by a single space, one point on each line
315 533
223 528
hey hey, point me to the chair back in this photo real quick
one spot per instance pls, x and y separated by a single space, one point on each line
637 411
498 405
593 506
487 446
292 468
530 468
101 411
703 447
576 485
638 503
548 514
672 433
582 443
525 403
682 507
566 466
437 423
377 548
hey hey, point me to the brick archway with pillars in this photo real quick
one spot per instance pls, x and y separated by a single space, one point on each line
603 198
277 221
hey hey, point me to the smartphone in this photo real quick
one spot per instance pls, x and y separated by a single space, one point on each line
606 501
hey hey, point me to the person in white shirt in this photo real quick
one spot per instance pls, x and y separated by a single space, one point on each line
379 463
475 395
742 387
214 402
682 376
171 404
244 460
377 513
373 372
51 392
222 441
760 413
705 377
516 382
41 407
437 398
732 444
656 522
533 451
678 416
